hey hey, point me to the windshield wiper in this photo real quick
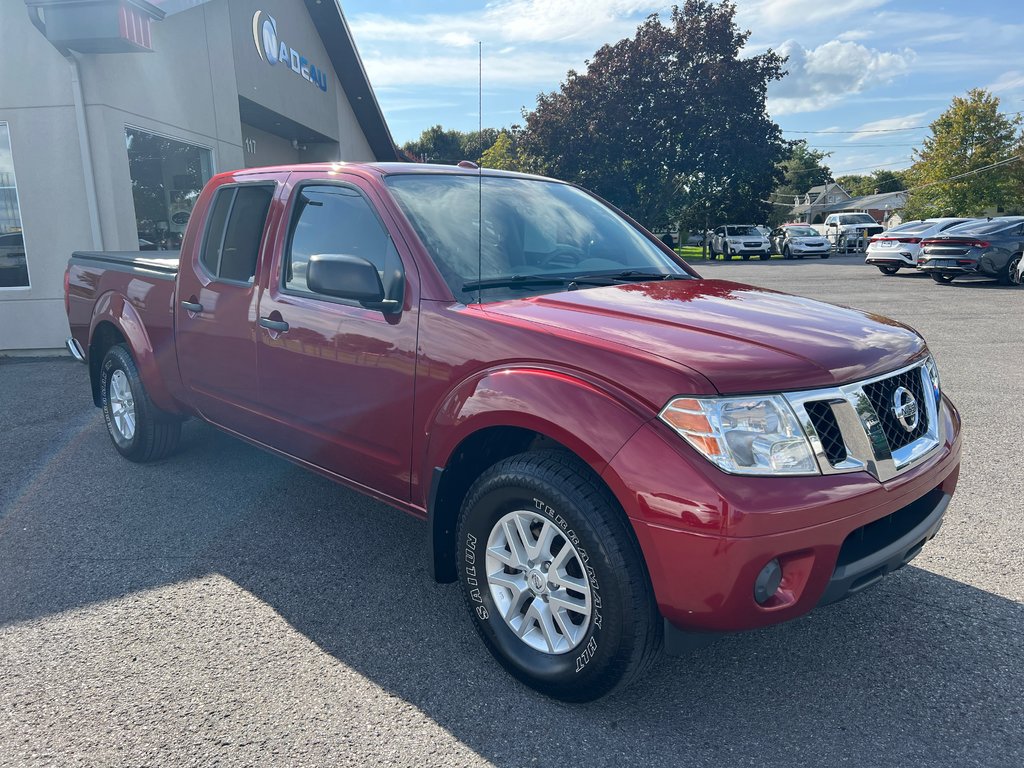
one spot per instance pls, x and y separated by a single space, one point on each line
517 281
546 281
631 276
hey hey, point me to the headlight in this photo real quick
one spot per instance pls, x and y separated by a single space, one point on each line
933 375
757 435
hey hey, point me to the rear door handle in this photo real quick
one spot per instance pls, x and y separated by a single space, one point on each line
192 306
274 325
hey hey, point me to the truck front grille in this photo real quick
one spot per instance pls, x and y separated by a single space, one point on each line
881 394
856 427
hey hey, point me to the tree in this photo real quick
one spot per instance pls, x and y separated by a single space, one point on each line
879 181
505 154
437 145
669 124
801 169
969 136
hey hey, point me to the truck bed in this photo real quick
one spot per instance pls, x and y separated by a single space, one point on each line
166 263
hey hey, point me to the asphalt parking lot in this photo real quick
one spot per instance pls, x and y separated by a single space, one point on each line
225 607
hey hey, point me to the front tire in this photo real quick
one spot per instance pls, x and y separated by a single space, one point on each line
554 579
139 430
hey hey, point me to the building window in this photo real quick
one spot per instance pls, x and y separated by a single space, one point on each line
167 176
13 266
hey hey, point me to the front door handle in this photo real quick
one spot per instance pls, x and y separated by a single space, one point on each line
274 325
192 306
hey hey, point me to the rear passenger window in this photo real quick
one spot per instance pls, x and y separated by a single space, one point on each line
233 237
338 220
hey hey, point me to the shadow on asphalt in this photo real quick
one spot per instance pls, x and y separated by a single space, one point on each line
920 670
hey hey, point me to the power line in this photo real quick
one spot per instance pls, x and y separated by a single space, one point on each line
890 130
870 130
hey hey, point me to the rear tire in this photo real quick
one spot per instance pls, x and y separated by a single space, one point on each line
786 253
942 279
887 269
140 431
1009 273
554 579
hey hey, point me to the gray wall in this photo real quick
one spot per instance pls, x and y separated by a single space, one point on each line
187 89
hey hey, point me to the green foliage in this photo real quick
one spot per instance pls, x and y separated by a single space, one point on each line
505 154
437 145
801 169
877 182
971 134
669 124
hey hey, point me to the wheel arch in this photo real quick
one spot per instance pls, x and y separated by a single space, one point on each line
116 321
476 428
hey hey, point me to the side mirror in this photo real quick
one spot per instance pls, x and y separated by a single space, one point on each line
349 277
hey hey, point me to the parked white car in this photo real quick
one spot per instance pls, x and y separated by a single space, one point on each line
1019 279
743 240
900 246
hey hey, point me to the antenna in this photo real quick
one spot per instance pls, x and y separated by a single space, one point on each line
480 175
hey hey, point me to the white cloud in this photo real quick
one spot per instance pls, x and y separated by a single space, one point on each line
1007 82
798 15
888 124
822 77
531 43
511 21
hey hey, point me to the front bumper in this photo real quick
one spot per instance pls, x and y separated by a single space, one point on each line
706 535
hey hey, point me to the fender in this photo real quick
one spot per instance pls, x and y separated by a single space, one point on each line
113 308
586 416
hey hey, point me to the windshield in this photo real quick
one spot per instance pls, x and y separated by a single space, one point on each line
856 218
531 228
911 227
742 230
802 232
984 227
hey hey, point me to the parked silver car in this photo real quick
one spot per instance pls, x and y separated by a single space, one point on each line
794 241
900 246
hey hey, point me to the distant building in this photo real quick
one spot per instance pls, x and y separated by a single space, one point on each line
818 202
114 113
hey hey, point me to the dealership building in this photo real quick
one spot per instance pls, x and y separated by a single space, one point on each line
114 113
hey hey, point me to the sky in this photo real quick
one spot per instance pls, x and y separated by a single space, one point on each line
854 65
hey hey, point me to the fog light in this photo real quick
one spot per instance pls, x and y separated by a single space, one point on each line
767 582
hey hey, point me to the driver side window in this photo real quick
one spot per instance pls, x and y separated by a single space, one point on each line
337 220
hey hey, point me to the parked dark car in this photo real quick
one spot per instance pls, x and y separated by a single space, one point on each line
990 248
799 240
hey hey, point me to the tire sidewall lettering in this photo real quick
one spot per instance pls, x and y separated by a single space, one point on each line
481 602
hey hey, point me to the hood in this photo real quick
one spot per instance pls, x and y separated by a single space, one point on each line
742 339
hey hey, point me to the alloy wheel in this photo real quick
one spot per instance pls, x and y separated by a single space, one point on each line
122 405
538 583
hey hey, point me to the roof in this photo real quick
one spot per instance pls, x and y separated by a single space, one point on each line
391 169
879 202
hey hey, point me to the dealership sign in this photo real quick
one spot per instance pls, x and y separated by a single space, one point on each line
273 50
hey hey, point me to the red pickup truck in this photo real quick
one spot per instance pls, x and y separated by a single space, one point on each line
611 453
